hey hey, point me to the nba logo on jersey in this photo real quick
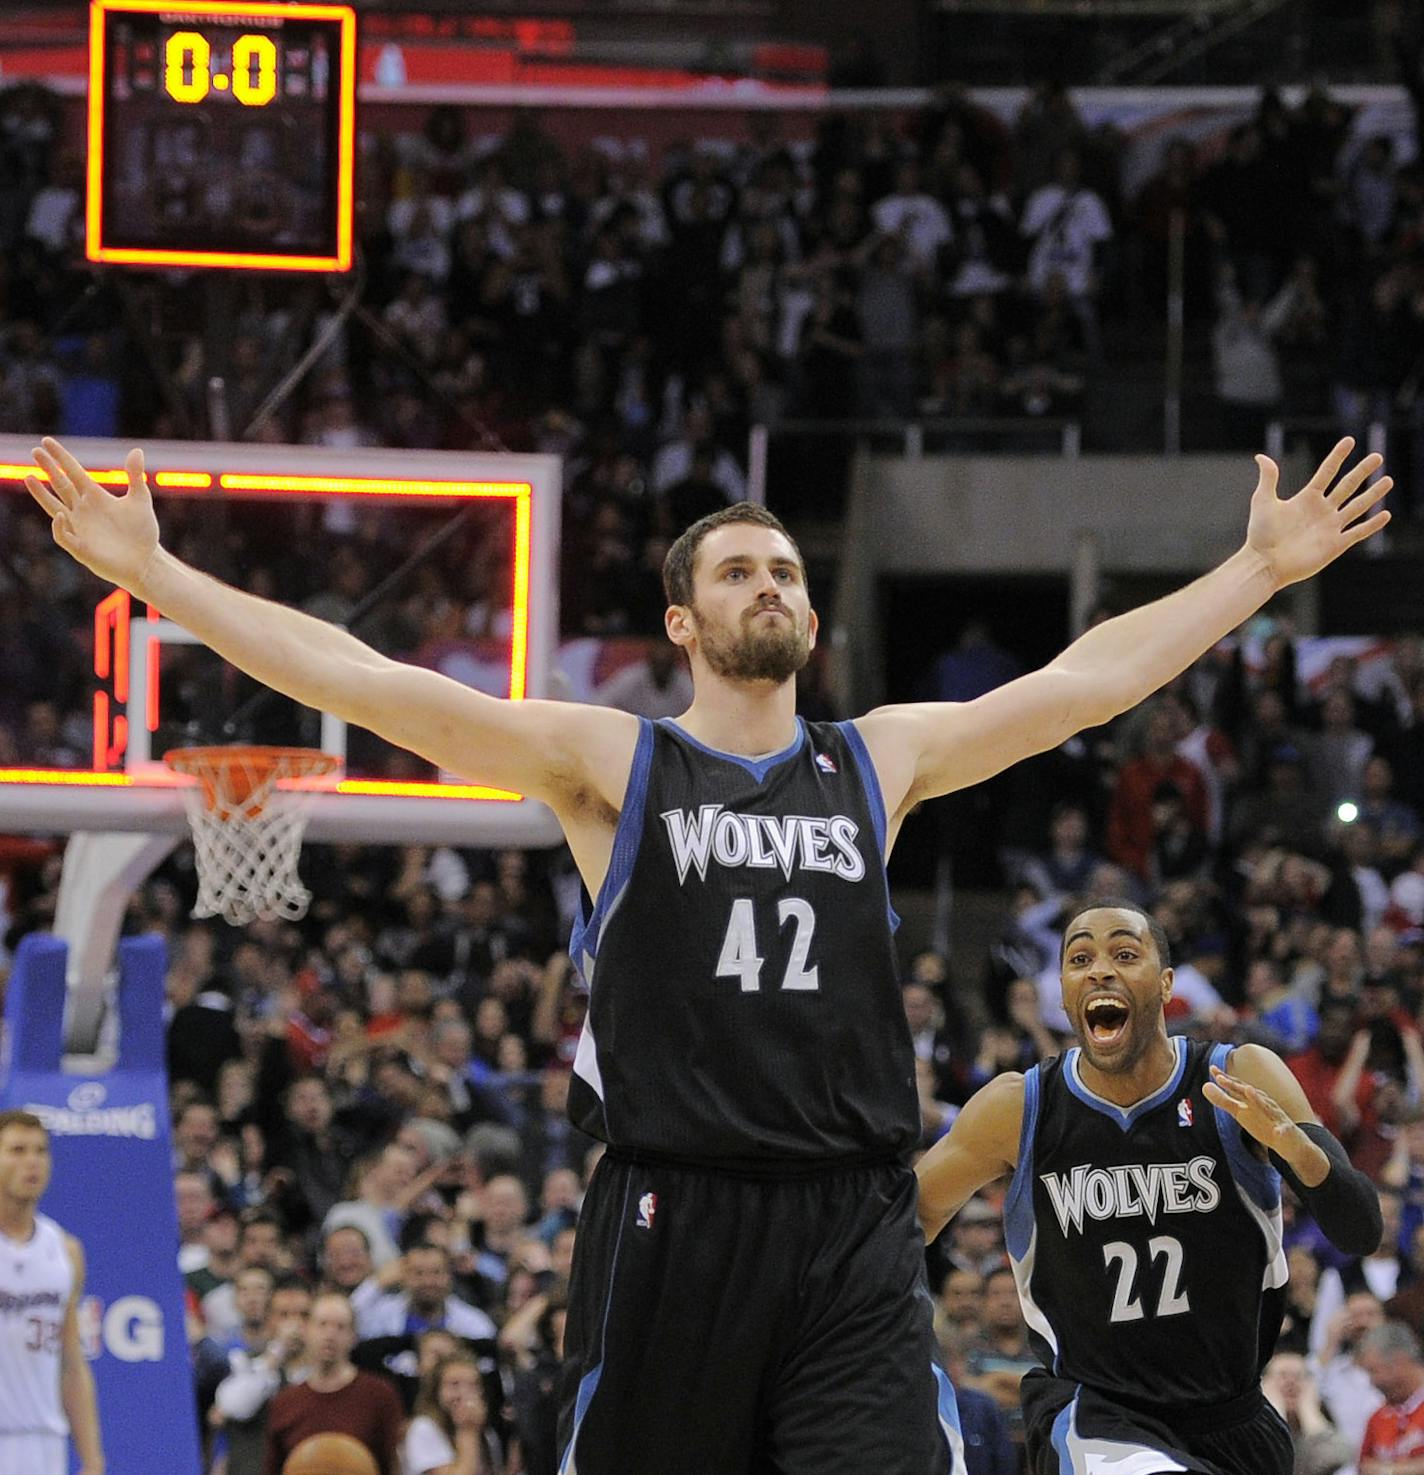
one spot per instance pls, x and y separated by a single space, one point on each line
647 1207
1184 1112
826 763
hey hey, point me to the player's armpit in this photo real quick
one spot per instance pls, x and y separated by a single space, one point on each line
924 749
982 1145
564 753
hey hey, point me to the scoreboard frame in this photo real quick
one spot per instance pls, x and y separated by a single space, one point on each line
194 13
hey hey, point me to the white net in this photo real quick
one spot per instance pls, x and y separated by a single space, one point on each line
247 832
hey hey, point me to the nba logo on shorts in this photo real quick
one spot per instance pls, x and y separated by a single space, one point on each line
826 763
647 1207
1184 1112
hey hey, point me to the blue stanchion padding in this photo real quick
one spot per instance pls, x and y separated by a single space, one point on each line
113 1189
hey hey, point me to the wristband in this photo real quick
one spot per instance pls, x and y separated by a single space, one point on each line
1344 1203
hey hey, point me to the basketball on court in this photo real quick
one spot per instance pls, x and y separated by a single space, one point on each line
330 1454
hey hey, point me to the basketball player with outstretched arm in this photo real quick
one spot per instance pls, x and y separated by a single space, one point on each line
1143 1219
46 1388
748 1287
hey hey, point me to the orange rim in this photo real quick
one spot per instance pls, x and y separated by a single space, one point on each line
230 774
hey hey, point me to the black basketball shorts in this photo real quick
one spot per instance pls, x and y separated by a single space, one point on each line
1074 1430
725 1325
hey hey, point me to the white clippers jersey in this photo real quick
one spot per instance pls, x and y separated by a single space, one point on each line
36 1283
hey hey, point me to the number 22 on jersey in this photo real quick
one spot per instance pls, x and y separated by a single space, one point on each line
741 959
1171 1301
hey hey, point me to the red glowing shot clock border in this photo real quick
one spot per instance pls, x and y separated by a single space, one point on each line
229 101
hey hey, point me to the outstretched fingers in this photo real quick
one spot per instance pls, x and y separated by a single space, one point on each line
45 496
67 462
1354 479
1269 478
1357 506
1329 468
59 482
1366 529
133 464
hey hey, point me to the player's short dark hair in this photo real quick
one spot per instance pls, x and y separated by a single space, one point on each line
1122 904
16 1117
678 565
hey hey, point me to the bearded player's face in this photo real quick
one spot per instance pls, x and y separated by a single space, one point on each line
751 614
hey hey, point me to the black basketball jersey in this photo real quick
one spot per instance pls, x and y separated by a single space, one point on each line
1146 1241
744 1004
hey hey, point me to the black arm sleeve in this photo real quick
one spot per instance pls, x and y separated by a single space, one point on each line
1344 1204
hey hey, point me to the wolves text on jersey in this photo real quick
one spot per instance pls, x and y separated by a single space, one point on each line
763 842
1137 1190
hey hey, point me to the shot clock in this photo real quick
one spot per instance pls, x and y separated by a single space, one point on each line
221 134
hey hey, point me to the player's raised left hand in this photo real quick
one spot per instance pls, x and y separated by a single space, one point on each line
1298 536
1259 1115
114 536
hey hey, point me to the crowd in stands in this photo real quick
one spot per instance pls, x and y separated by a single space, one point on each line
373 1169
638 312
369 1104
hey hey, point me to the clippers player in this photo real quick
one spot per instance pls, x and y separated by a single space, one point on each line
46 1388
748 1286
1143 1219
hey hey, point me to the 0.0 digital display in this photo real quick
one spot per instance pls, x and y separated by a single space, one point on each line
221 135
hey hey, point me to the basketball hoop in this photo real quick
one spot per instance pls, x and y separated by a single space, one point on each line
247 831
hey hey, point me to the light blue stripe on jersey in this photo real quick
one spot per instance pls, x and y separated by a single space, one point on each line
1078 1455
869 779
588 1384
948 1406
1124 1116
1020 1226
870 782
1018 1201
626 839
1257 1179
757 767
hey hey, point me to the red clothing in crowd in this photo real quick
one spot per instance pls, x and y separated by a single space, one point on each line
1130 815
368 1408
1367 1146
1396 1431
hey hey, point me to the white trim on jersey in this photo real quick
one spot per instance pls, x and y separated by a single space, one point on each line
1033 1314
586 1060
1080 1456
1272 1228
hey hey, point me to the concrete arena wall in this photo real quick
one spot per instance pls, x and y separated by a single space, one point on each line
1085 518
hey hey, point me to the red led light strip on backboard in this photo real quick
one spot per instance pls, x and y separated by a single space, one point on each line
112 634
94 247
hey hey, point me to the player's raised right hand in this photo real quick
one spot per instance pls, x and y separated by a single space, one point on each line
115 536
